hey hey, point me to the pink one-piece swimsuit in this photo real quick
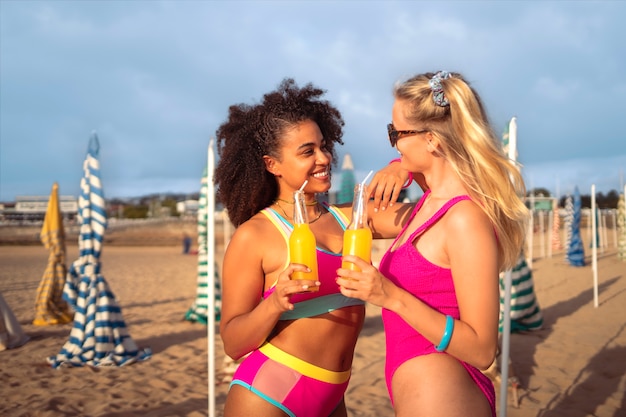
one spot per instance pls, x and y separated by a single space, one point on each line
407 268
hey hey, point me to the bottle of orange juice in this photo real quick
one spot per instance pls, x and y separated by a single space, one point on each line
302 245
357 238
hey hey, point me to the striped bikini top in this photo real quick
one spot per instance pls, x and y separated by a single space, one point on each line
328 298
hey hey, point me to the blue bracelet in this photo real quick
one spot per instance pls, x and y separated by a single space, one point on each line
447 335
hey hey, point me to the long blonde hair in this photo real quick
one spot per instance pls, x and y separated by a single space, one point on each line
469 144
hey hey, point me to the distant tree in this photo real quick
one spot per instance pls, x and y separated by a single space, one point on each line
611 200
170 203
602 202
136 212
538 192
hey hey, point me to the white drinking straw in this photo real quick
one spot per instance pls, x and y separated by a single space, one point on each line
303 185
367 177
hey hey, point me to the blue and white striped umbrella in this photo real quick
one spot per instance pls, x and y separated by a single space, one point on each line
198 310
569 217
575 249
99 335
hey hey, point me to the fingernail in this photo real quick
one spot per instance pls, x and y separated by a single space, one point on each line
305 287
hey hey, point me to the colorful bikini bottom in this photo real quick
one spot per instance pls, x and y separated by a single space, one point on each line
297 387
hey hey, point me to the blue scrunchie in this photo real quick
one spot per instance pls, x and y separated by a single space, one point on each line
439 97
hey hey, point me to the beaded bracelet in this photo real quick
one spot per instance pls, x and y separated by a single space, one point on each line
409 180
447 335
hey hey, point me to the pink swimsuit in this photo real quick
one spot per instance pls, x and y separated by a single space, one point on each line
433 285
299 388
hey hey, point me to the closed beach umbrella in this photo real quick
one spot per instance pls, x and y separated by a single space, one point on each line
525 313
569 218
348 181
621 224
99 335
11 333
50 307
575 250
199 309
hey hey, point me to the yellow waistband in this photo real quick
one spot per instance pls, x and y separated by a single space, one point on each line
304 367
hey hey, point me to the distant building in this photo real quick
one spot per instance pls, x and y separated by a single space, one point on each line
33 208
187 207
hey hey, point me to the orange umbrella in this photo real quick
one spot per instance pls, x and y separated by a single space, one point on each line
50 308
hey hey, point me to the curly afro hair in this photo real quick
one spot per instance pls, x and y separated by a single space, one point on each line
244 186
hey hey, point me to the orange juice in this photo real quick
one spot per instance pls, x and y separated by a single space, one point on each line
357 242
357 238
302 251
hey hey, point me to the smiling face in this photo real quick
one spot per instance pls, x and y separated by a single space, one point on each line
303 157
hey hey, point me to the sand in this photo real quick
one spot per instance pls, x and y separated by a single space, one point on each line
575 366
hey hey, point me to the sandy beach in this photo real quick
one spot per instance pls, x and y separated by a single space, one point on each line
575 366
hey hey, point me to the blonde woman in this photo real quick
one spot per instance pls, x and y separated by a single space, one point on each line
438 282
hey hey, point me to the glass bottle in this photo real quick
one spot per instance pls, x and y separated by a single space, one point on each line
357 238
302 245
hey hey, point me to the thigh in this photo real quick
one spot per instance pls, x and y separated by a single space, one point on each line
437 384
242 402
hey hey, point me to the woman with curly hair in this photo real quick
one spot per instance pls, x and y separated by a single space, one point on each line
299 344
438 282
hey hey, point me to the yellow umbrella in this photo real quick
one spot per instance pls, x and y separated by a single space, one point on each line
50 308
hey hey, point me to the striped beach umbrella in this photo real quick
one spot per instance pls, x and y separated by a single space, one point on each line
524 311
569 218
50 307
99 334
199 309
621 224
575 250
348 181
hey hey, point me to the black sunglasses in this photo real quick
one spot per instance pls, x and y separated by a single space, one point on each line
394 134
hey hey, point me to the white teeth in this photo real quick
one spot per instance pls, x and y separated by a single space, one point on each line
321 174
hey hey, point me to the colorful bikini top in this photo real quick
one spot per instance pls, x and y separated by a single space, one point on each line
328 298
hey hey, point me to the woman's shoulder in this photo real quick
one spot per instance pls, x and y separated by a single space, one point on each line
466 215
255 228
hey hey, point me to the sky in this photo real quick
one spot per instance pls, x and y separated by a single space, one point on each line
154 80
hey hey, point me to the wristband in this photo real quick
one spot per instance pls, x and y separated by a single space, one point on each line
447 335
409 180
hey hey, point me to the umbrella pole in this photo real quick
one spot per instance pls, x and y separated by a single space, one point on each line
506 314
594 246
506 343
211 277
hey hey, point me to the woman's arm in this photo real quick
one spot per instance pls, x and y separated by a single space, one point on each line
386 185
247 319
385 217
472 248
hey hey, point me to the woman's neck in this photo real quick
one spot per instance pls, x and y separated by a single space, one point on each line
314 209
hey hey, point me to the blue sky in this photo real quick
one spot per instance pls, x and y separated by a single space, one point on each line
154 79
